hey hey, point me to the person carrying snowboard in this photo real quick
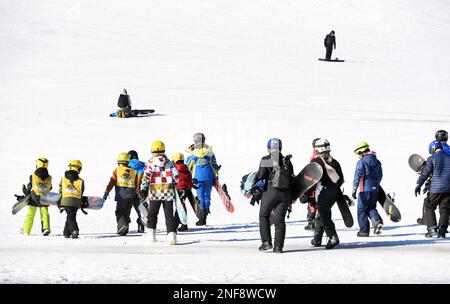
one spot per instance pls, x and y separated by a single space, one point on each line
158 186
125 181
327 192
139 166
438 167
309 197
71 189
184 185
278 172
124 105
367 178
204 169
40 181
329 42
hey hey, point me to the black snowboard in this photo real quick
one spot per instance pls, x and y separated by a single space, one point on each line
332 60
136 113
22 202
343 203
389 207
308 177
417 163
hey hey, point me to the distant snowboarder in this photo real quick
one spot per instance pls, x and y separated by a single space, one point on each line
124 105
329 42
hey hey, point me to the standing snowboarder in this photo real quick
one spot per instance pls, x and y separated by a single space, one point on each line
125 181
203 166
124 105
40 181
158 186
438 167
139 166
71 189
327 192
330 43
368 175
278 171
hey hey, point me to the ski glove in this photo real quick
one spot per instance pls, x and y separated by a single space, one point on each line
105 196
354 194
194 184
417 190
256 196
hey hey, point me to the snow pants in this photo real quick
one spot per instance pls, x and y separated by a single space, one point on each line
123 210
153 211
29 219
443 201
71 221
279 201
204 194
328 53
367 203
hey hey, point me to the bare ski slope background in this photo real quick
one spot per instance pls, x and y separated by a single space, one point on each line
241 72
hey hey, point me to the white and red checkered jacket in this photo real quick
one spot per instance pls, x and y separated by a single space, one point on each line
160 177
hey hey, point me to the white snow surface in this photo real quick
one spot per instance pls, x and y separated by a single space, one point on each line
241 72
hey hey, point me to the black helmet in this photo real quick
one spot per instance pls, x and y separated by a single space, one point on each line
133 154
332 32
441 135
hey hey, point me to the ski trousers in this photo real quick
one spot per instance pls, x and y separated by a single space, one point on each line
204 194
153 211
367 204
29 219
123 210
278 201
71 220
323 221
443 201
328 53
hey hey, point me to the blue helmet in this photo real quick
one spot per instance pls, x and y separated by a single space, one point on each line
435 144
274 143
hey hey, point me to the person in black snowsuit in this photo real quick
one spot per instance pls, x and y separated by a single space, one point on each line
276 197
327 193
124 105
329 42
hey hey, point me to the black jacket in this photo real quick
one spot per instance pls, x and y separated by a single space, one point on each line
266 166
329 41
124 101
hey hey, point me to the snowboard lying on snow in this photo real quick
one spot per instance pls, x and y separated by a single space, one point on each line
135 113
332 60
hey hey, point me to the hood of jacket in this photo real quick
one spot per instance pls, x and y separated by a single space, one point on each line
71 175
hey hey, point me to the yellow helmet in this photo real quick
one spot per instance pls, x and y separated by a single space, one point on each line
361 147
75 165
123 158
177 157
42 162
158 147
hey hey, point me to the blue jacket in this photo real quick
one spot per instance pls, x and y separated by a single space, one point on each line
202 164
137 165
438 165
368 173
446 148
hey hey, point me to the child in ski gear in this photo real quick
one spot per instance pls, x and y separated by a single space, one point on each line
327 191
368 175
158 186
139 166
124 105
203 166
184 185
278 171
40 181
438 167
309 197
71 189
125 181
329 42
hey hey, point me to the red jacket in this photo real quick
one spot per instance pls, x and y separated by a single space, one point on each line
185 177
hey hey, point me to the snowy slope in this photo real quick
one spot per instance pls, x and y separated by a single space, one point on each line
240 72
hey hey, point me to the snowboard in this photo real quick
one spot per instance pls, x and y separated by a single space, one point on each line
179 209
332 60
224 196
387 202
197 210
343 203
417 163
144 214
21 203
52 199
308 177
136 113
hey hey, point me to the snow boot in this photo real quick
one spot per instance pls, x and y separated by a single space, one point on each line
441 233
378 228
74 234
265 246
172 238
122 230
332 242
362 234
183 228
310 225
278 249
432 233
318 235
45 232
151 234
141 227
202 220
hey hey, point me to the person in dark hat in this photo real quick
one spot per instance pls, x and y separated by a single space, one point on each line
329 42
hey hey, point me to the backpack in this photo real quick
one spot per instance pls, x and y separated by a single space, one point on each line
280 177
247 183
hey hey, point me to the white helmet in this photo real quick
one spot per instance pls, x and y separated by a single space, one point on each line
322 145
